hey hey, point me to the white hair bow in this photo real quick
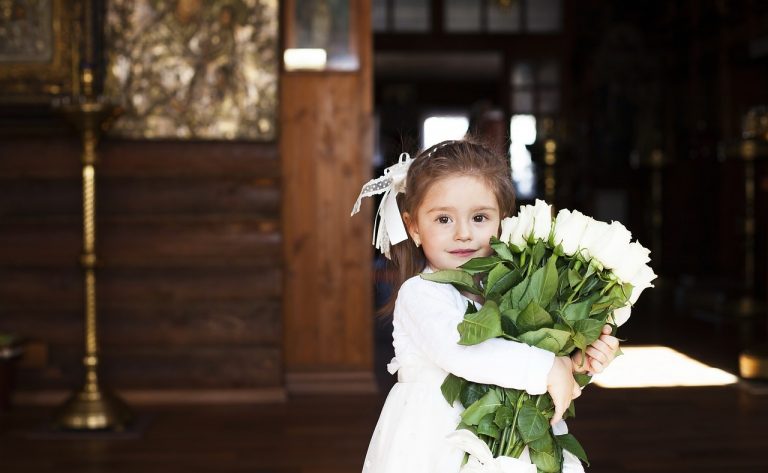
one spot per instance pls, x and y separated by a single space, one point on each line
388 227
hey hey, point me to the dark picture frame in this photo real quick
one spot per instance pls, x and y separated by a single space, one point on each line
36 46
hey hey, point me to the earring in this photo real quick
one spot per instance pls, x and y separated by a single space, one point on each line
417 242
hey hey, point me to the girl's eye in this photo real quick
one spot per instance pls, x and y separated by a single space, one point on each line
443 219
480 218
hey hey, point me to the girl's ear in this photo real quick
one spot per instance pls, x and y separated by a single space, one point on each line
413 229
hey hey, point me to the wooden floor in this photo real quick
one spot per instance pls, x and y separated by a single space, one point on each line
646 430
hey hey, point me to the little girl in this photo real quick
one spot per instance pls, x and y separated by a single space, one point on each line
454 196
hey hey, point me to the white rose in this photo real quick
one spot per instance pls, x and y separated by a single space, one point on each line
507 226
542 220
637 255
517 229
593 237
569 228
612 249
641 281
621 315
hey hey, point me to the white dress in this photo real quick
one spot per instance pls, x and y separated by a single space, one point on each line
410 436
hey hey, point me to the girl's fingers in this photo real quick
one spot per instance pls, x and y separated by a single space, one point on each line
601 351
611 341
596 355
597 367
576 390
558 415
607 329
606 344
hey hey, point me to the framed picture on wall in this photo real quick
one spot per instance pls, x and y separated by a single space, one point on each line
35 50
193 69
321 35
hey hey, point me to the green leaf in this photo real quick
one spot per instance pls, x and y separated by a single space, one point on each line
496 273
549 339
574 278
569 442
543 444
578 311
472 392
511 397
506 301
543 284
480 408
544 403
533 317
589 328
508 322
488 427
460 279
531 423
539 250
479 265
518 293
546 462
502 282
549 282
533 289
579 341
480 326
504 417
502 249
471 428
582 379
451 387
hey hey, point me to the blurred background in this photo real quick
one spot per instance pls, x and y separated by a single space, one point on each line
177 256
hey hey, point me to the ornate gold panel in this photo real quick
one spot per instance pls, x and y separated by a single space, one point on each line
189 69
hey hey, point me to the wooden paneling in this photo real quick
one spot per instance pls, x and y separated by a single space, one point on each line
160 367
204 323
25 288
175 159
251 197
189 283
326 156
146 242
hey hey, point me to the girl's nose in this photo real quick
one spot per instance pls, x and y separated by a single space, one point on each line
462 232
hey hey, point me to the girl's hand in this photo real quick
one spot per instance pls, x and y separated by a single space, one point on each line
562 386
599 354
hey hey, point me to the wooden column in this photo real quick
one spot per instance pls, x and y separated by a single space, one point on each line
326 150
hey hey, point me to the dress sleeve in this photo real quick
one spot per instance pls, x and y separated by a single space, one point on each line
429 314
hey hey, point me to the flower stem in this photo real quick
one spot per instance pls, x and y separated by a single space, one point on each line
512 445
575 292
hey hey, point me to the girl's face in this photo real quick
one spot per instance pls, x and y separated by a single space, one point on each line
455 222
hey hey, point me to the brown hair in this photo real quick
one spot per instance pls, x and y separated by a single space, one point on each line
466 157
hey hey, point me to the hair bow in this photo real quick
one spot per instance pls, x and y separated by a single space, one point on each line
388 227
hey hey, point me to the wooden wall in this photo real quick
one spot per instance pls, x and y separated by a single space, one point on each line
326 151
189 287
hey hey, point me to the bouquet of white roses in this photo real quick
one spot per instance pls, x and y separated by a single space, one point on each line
553 284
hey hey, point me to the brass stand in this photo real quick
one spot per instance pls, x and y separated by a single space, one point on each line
92 407
753 362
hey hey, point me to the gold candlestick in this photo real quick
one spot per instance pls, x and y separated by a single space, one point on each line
92 407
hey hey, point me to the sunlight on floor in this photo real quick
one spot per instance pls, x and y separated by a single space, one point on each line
658 366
